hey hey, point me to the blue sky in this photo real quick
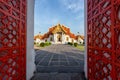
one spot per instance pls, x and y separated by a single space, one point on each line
51 12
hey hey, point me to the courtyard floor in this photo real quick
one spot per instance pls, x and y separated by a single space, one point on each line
59 62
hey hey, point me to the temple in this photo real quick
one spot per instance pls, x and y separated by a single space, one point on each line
59 34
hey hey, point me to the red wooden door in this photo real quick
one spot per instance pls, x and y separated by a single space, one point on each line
12 39
103 34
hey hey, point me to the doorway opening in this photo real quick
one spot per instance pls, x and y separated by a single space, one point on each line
59 45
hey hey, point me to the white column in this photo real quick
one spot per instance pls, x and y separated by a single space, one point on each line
85 29
55 38
30 66
62 38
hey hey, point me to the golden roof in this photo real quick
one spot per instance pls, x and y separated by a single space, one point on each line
59 28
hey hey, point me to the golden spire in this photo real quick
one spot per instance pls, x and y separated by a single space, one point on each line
58 23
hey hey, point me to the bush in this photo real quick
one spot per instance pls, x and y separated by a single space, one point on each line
34 43
83 42
50 43
47 43
75 44
69 43
42 44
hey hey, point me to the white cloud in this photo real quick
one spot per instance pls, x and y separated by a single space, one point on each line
73 5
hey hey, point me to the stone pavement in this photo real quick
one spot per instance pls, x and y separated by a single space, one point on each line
59 62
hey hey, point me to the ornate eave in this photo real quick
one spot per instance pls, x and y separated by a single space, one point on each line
58 28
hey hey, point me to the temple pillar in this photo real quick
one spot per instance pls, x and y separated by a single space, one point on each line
30 66
55 39
85 30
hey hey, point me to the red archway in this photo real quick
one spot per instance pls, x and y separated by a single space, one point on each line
103 35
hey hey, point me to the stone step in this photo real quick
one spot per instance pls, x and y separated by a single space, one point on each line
60 69
58 76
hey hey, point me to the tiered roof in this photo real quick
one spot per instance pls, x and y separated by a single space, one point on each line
38 36
58 28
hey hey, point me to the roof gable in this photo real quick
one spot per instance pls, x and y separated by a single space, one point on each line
58 28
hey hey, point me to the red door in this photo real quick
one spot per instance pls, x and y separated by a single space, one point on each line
12 39
103 34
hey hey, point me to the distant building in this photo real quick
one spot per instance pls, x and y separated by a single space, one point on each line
38 39
59 34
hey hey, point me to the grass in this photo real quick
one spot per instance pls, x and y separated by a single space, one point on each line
38 47
81 47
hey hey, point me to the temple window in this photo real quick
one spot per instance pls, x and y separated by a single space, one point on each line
51 39
67 39
72 41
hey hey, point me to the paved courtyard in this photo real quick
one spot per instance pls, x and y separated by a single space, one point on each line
60 60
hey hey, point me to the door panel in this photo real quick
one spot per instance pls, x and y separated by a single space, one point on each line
12 39
103 39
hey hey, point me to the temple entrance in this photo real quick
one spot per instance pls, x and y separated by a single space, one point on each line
59 38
